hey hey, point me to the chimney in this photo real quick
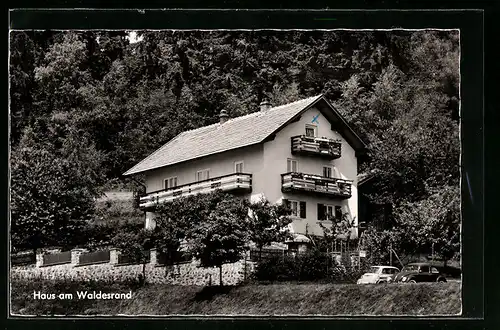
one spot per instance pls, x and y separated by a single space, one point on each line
223 116
265 105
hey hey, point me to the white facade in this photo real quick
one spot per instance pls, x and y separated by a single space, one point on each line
267 162
277 152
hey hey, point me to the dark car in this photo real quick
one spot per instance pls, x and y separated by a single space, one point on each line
419 272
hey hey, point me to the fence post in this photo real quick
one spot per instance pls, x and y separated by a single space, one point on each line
75 256
113 256
152 257
39 258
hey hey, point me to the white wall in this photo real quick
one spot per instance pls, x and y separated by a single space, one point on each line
267 162
219 165
278 150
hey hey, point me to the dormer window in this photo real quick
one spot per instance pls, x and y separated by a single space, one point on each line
311 130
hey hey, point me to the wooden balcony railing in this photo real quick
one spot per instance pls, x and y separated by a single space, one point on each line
230 182
323 147
313 183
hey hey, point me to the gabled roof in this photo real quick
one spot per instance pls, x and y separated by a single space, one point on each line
236 133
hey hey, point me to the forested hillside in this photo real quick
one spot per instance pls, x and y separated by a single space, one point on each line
87 106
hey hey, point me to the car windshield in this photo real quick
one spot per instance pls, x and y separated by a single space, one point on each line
410 268
374 270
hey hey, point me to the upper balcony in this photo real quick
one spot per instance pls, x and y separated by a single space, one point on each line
312 183
315 146
235 182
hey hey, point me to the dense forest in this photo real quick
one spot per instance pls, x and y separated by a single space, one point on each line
86 106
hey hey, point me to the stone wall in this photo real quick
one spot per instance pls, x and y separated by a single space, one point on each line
182 274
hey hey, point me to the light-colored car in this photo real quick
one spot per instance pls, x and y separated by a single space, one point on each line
379 274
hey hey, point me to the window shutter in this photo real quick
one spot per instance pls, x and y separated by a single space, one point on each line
338 213
303 210
321 212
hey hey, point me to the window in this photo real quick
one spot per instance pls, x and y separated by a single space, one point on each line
298 208
238 167
310 130
294 205
329 212
292 165
390 271
424 269
203 175
170 182
327 171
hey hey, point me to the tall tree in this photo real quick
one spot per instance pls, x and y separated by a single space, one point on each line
268 223
50 203
222 236
134 243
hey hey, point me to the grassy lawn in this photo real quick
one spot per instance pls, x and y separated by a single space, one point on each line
252 299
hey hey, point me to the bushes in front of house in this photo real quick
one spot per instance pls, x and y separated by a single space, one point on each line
312 265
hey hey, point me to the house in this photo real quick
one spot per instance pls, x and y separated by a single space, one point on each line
303 153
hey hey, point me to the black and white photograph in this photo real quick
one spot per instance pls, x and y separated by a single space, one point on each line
258 172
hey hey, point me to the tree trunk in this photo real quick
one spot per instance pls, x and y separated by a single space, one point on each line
260 253
220 275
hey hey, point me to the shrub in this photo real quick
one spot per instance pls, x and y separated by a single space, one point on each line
309 266
276 268
312 265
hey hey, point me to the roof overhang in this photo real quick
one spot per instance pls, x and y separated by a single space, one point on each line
338 123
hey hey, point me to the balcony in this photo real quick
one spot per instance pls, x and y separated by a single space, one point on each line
314 146
312 183
236 182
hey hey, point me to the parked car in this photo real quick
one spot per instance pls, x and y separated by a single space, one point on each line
419 272
379 274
